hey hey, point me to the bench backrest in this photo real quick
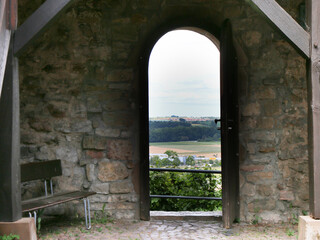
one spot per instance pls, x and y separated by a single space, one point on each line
40 170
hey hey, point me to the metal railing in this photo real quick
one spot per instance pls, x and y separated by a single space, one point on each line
188 171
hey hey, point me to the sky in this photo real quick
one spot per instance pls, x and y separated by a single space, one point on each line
184 76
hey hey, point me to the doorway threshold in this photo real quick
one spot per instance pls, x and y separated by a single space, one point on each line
186 215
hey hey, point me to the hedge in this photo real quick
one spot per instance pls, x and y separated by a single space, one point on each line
185 184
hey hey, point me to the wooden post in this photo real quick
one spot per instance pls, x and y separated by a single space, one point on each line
314 108
10 195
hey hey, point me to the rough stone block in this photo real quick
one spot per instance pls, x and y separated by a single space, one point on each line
67 153
24 227
94 154
121 187
309 228
119 149
90 172
259 176
40 125
252 38
117 119
125 75
252 168
112 171
81 126
265 190
94 142
101 188
286 195
108 132
58 109
251 109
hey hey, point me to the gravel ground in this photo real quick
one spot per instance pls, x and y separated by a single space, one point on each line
162 229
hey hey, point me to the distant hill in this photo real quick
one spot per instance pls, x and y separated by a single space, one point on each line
164 131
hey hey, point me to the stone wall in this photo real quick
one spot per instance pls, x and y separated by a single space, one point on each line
79 102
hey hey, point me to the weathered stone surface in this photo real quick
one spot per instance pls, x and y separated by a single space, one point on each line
252 109
94 154
90 172
248 190
252 168
121 187
265 190
82 126
252 38
100 188
286 195
58 109
119 149
108 132
94 142
120 76
256 177
261 205
67 153
40 125
112 171
119 119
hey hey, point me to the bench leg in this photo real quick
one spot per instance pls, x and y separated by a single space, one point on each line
35 217
87 216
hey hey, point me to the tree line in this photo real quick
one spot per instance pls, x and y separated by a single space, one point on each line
182 131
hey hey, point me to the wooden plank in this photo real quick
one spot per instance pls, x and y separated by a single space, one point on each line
38 22
144 139
44 202
4 39
314 109
10 193
285 23
229 127
40 170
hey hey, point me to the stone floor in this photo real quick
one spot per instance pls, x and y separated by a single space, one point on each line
163 229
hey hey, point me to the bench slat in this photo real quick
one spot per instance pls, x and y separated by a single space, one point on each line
40 170
51 200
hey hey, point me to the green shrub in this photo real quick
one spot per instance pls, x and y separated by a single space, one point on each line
10 237
185 184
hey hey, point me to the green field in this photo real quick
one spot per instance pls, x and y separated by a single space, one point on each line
193 147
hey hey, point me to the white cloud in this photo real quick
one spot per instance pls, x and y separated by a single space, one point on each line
184 76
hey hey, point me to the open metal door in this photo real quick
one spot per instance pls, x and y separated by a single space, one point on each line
229 127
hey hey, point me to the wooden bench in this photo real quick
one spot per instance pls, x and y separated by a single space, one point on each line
45 171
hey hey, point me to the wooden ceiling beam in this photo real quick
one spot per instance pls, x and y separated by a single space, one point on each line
285 23
38 22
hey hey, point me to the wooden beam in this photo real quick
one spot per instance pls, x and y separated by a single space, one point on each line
10 193
314 108
38 22
285 23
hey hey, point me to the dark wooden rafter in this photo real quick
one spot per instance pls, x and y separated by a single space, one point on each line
38 22
313 8
10 197
285 23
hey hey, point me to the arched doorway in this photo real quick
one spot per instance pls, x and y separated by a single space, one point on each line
229 120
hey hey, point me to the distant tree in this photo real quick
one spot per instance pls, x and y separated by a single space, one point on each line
171 154
155 160
190 161
165 162
176 162
211 161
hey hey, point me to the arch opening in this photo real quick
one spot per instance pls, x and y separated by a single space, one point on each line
184 101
